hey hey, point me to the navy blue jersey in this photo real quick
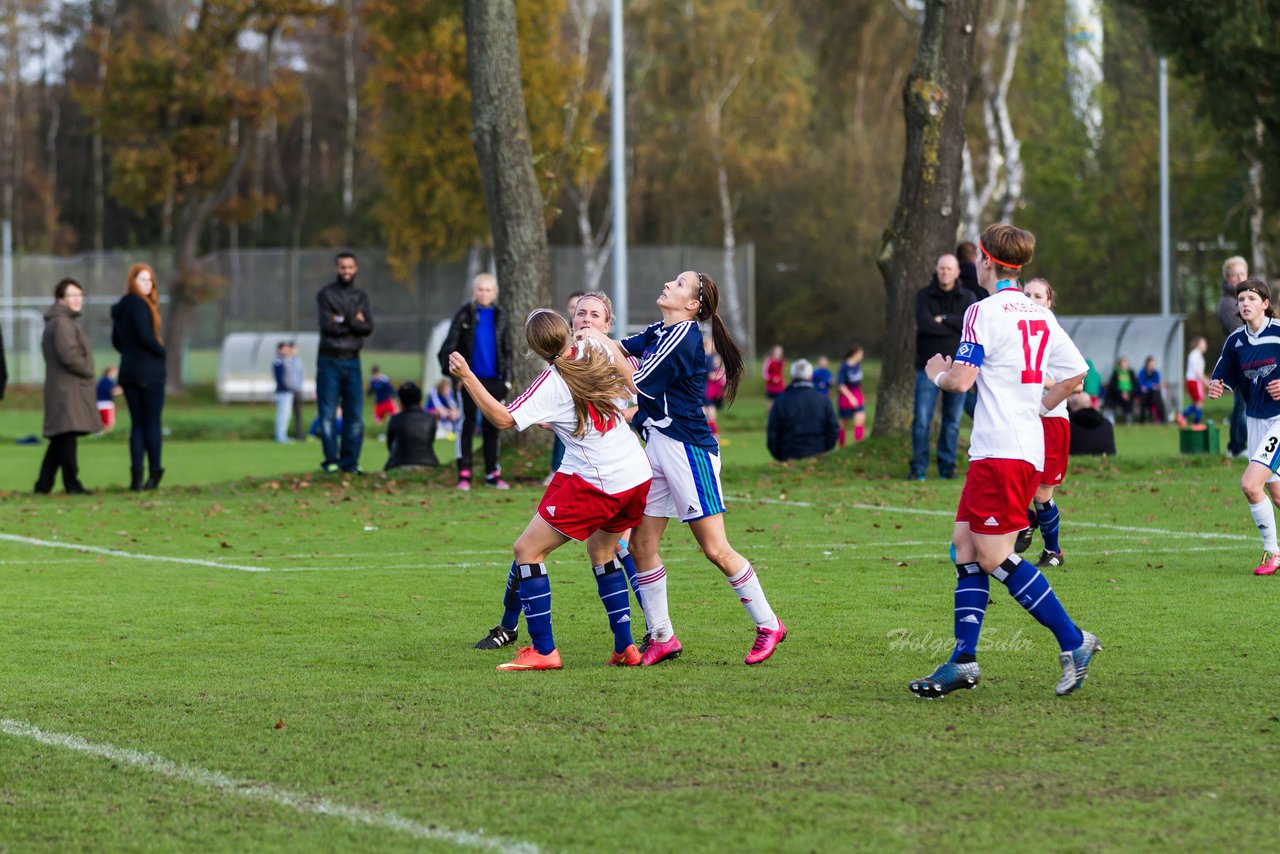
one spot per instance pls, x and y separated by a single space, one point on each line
850 375
1248 362
672 380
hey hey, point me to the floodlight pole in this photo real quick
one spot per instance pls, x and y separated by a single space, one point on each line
1165 273
618 168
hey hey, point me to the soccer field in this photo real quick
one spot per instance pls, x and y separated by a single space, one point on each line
252 659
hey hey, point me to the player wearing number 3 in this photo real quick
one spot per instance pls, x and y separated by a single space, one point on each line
1007 347
1247 367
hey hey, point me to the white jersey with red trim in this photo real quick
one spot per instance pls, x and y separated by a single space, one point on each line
608 455
1013 343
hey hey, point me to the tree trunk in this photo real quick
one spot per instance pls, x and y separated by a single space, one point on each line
500 135
924 222
353 105
1257 234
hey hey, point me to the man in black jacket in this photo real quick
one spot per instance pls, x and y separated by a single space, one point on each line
940 309
345 322
479 332
801 420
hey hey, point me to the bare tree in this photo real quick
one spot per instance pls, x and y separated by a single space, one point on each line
500 135
352 96
928 211
1004 171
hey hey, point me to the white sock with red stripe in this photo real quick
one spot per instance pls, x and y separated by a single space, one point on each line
651 587
749 592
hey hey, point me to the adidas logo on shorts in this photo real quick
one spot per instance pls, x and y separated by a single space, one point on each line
692 509
551 510
991 522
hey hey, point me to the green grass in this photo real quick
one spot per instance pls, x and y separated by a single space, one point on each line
359 641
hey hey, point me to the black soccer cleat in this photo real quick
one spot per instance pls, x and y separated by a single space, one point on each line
1050 560
1023 542
498 637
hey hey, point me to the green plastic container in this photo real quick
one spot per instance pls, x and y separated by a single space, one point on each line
1200 441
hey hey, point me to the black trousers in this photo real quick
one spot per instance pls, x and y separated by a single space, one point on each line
61 454
146 405
299 432
489 433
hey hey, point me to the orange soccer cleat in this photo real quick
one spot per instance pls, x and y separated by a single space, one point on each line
529 658
629 657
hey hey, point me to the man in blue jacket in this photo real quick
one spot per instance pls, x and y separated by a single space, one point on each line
801 420
345 322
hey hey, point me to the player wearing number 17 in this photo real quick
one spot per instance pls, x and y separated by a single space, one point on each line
1007 346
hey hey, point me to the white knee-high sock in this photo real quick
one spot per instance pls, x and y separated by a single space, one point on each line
651 587
1264 516
746 586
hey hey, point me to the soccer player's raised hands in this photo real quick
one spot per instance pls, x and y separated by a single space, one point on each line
458 366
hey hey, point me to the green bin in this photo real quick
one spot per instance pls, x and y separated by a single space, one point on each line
1204 441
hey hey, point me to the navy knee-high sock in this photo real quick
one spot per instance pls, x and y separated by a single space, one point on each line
972 595
535 601
611 582
1028 586
1048 516
629 567
511 600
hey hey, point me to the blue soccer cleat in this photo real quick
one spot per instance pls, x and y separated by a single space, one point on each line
1075 664
947 678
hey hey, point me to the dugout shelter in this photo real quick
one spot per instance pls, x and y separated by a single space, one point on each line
244 365
1104 338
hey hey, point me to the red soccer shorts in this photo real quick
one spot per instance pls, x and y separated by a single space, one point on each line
107 412
577 509
384 410
996 496
1195 389
1057 444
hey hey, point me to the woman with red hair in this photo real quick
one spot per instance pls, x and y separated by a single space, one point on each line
135 332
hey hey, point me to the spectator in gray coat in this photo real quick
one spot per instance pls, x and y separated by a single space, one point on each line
70 404
1234 271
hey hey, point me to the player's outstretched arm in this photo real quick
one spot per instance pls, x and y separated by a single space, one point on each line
494 412
1061 391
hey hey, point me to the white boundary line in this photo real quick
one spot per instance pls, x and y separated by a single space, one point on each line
916 511
31 541
298 801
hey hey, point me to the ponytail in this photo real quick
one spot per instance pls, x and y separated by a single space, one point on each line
730 355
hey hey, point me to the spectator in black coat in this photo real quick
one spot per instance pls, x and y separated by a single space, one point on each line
940 309
967 257
1091 432
135 332
411 432
479 333
802 422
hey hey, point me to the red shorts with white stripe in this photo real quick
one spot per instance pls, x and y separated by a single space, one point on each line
996 495
1057 445
577 509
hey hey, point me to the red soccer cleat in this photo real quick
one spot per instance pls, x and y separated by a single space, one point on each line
767 641
529 658
629 657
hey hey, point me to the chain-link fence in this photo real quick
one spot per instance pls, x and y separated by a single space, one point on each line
269 290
